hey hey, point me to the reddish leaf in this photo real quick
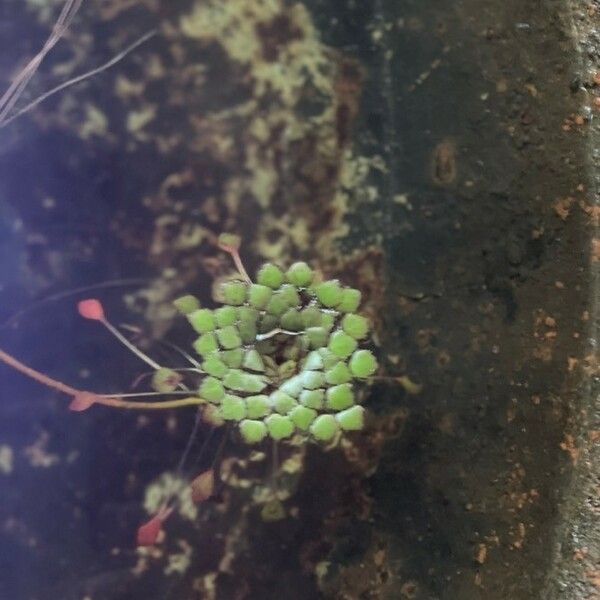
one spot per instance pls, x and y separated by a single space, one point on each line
91 309
147 534
82 401
203 486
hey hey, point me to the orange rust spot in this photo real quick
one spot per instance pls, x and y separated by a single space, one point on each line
569 446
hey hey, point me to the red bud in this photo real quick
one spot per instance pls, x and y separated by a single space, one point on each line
91 309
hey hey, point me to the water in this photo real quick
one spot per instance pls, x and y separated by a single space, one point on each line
428 153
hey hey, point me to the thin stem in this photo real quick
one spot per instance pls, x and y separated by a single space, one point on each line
265 336
37 376
129 345
80 78
106 400
60 295
165 405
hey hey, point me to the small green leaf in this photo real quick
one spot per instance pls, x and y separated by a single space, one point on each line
299 274
226 315
312 398
229 337
259 295
211 389
233 408
340 397
311 316
290 294
214 366
302 417
270 275
317 337
355 326
311 380
324 428
234 292
363 364
291 320
253 361
313 362
339 373
253 431
206 344
351 419
258 406
202 320
244 382
186 304
282 402
341 344
233 358
293 386
350 300
279 426
329 293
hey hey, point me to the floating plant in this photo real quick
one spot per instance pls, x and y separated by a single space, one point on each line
279 358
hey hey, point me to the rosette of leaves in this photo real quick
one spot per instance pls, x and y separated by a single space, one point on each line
282 355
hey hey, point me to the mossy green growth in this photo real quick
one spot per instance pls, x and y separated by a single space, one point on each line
259 295
282 354
229 337
186 304
270 275
253 431
351 419
206 344
324 428
363 364
202 320
341 344
258 406
299 274
233 408
302 417
340 397
329 293
226 315
234 292
279 426
211 389
355 326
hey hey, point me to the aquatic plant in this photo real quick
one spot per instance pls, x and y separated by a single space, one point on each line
279 358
